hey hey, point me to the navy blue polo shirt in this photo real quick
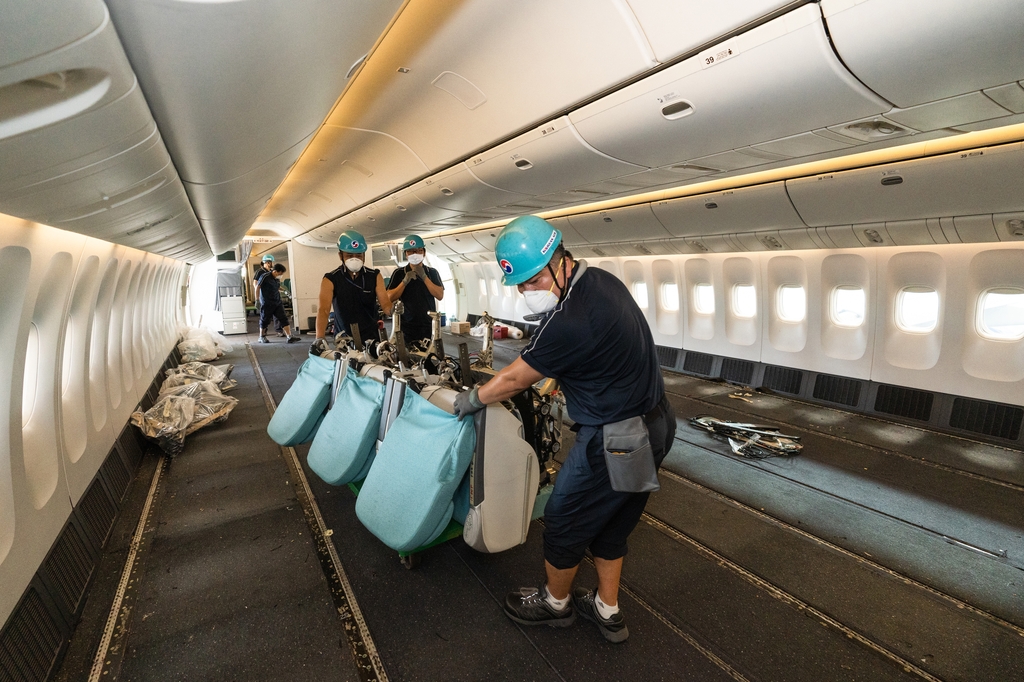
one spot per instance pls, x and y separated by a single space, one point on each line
270 288
598 345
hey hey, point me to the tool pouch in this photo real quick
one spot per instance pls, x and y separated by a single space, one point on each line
629 457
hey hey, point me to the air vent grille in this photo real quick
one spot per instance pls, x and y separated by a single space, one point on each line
69 567
117 474
98 511
838 390
990 419
30 642
130 448
667 357
737 371
904 402
698 363
782 379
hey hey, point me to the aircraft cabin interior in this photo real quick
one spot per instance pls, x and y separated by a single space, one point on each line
818 206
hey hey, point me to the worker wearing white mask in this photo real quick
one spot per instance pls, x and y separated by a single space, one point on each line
595 340
418 286
352 291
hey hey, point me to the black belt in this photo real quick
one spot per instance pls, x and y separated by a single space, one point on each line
657 412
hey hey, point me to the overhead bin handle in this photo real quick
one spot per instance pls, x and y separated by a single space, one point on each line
676 110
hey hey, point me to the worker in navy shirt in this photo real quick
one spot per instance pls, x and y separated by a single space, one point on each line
271 305
352 291
418 286
595 340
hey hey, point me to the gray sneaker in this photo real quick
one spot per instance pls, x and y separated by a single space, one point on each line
614 628
527 606
263 339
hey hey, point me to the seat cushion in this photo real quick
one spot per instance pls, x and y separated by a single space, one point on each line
347 438
407 497
296 418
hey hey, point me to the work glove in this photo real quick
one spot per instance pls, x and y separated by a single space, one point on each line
318 347
410 275
467 403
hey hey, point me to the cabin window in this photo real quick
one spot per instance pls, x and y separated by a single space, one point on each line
792 303
494 288
639 290
744 301
1001 314
848 307
69 347
28 389
510 292
482 286
670 296
917 310
704 299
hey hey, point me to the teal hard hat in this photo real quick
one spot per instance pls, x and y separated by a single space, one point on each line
413 241
351 241
268 259
524 247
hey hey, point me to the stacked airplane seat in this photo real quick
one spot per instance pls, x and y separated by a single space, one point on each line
344 446
302 408
407 498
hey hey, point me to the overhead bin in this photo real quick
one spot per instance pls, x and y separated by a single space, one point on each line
94 187
65 20
632 223
674 27
972 182
365 163
548 159
917 51
223 198
464 244
761 207
455 77
459 190
774 81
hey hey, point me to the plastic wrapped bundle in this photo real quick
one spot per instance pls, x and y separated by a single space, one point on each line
167 421
198 349
211 406
191 372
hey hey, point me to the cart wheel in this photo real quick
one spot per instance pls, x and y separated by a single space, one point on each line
410 561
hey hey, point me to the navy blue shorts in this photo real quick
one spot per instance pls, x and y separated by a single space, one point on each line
584 512
271 310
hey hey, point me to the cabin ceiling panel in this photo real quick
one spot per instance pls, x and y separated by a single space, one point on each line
755 208
942 48
694 110
964 183
474 71
675 27
548 159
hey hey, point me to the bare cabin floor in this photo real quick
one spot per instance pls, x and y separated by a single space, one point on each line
852 561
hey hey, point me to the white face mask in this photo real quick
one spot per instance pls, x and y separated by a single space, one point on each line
415 258
540 301
354 264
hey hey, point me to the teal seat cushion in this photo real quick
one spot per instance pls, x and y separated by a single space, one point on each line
347 438
297 417
407 497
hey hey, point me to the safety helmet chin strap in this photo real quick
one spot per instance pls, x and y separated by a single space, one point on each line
562 290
